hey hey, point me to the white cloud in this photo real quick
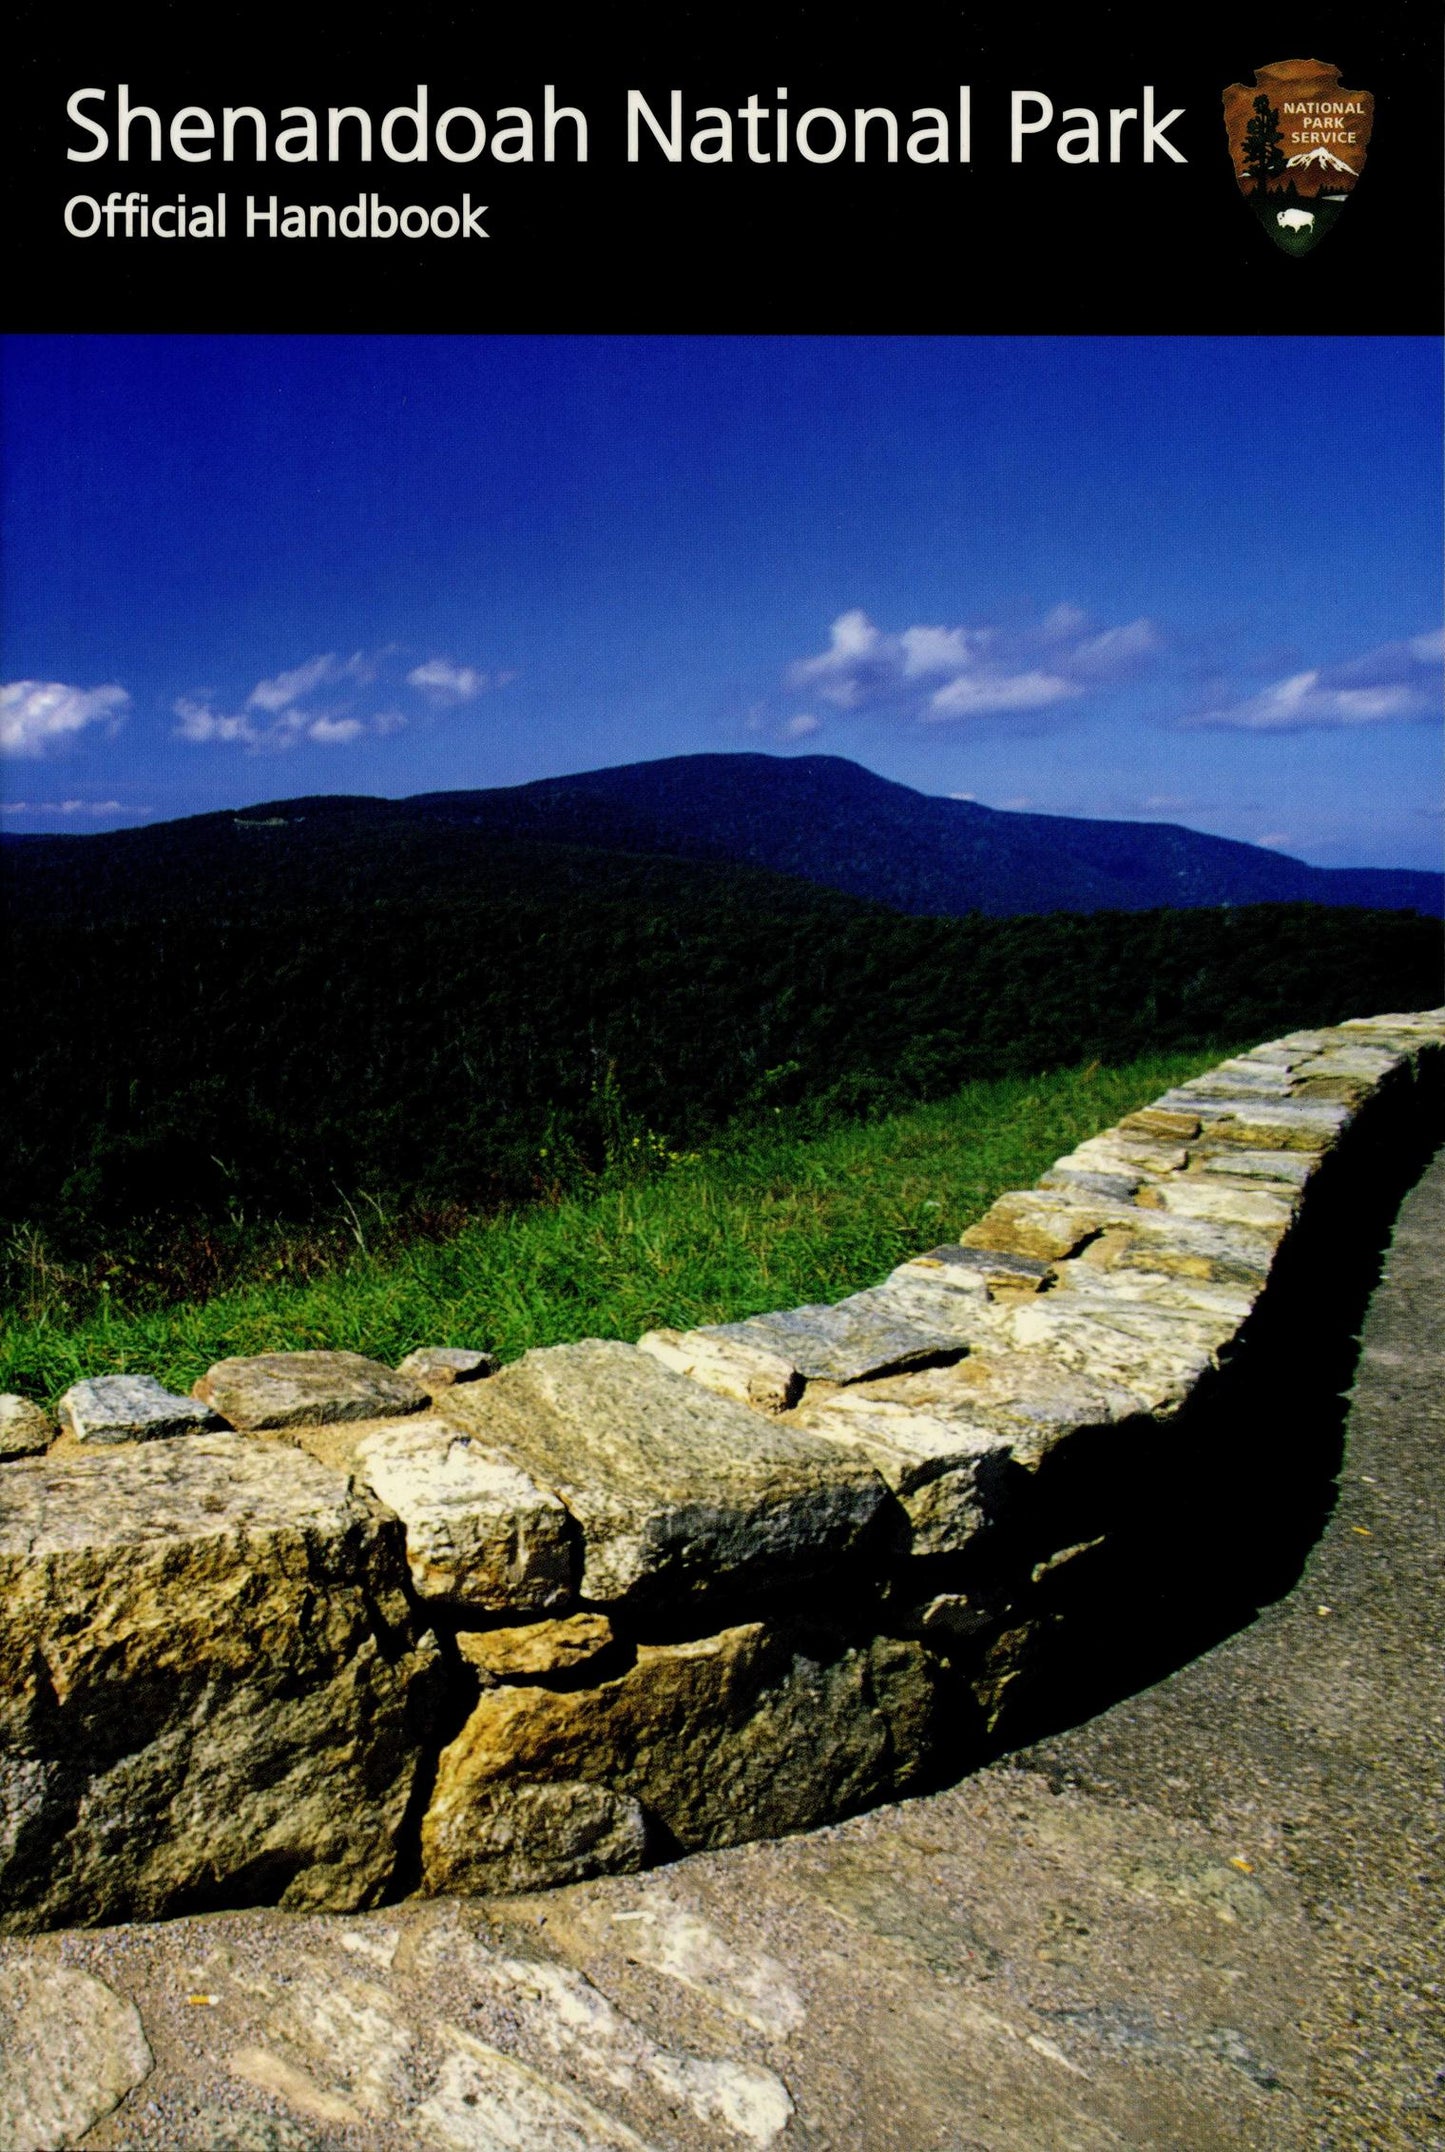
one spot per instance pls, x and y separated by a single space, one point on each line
1396 683
335 731
327 670
983 694
1304 703
277 713
853 635
100 809
801 727
201 726
445 682
1108 656
1276 839
288 687
38 715
851 667
934 673
940 650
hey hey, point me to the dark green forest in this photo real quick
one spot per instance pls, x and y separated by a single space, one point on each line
233 1020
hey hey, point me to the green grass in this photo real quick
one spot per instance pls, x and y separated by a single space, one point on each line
765 1221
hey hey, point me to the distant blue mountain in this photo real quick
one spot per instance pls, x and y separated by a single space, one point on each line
827 820
816 818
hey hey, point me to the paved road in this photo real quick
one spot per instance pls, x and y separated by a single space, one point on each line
1208 1920
1314 1741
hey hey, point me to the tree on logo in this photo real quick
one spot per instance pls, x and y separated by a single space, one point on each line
1263 157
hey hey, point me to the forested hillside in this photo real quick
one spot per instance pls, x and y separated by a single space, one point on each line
257 1016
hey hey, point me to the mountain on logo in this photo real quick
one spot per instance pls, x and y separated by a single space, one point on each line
1323 157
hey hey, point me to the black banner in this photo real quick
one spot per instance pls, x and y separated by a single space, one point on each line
920 168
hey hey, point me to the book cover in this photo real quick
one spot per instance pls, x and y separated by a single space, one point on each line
649 658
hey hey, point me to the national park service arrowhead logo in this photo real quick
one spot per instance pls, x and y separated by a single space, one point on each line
1298 140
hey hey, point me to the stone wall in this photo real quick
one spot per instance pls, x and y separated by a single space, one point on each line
324 1632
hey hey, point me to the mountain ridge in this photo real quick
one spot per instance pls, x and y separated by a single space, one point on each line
775 811
828 821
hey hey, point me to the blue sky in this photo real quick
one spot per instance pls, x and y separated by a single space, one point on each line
1179 580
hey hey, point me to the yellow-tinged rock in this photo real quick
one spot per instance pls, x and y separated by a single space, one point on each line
211 1683
733 1366
537 1648
272 1390
1047 1225
479 1532
745 1734
1158 1122
673 1489
25 1431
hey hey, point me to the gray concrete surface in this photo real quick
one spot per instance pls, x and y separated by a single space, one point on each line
1208 1918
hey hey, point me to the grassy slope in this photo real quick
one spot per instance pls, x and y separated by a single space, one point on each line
769 1222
